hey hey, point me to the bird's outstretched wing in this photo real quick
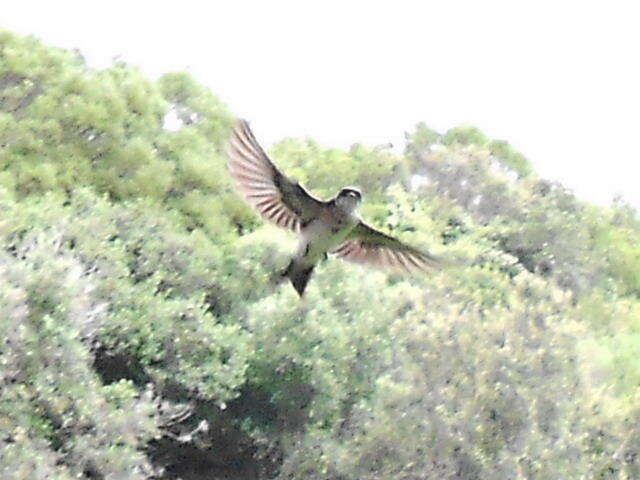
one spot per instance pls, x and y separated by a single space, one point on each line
369 246
276 197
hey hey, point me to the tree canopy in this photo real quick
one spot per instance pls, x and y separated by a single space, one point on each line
142 336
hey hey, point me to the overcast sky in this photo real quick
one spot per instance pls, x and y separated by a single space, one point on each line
559 80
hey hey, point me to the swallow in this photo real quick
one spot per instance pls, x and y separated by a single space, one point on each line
323 226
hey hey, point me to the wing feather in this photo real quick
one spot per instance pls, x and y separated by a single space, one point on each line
276 197
366 245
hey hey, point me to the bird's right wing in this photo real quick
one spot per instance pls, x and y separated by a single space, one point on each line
368 246
276 197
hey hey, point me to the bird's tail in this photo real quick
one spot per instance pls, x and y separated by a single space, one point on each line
299 275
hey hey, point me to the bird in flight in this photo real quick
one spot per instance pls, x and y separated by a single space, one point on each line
331 226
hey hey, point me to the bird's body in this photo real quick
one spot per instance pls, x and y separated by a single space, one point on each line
326 233
317 239
332 226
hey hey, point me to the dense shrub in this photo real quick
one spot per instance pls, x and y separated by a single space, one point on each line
144 334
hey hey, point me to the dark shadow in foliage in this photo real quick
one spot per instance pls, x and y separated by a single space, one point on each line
217 300
209 443
187 461
115 366
17 92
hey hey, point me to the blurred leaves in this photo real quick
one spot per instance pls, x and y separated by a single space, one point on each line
145 334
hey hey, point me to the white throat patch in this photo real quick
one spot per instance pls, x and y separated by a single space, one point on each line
347 203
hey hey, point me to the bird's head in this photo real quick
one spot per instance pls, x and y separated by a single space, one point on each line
349 198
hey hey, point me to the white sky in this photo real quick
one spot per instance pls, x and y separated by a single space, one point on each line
559 80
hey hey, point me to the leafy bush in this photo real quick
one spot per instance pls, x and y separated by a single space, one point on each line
146 335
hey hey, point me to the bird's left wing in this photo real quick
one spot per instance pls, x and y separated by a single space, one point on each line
369 246
276 197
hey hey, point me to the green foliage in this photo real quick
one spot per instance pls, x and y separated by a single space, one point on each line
51 394
145 334
372 170
426 139
509 156
465 135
